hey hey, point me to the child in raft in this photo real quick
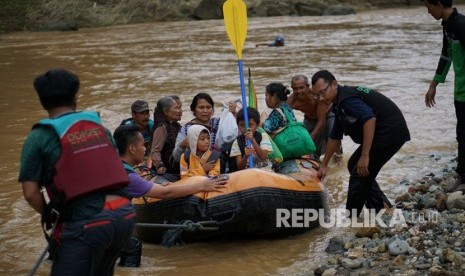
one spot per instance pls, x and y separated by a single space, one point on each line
261 144
199 159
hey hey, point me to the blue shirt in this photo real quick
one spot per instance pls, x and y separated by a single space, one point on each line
354 107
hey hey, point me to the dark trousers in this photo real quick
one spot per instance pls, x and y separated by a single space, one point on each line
460 113
91 246
365 190
322 138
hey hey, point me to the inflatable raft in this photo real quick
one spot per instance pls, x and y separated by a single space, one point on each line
246 208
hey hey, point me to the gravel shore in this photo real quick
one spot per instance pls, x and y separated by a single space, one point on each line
424 233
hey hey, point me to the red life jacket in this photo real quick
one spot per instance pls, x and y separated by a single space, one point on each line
88 162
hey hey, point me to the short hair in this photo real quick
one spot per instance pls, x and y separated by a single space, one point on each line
175 97
200 96
278 89
252 113
164 104
124 136
445 3
56 88
323 74
298 77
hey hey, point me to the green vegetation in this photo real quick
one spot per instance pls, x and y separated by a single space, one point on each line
65 15
13 14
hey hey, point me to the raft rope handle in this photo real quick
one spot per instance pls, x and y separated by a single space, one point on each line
209 225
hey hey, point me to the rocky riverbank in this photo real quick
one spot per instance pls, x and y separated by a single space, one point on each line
430 241
65 15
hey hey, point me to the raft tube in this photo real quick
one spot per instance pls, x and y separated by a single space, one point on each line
246 208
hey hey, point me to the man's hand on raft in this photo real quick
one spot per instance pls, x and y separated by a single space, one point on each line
214 184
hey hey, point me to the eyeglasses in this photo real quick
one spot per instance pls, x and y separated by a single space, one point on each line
321 93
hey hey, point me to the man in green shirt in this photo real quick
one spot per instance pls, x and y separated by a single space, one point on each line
73 157
453 52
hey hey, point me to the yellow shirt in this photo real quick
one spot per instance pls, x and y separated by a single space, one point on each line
195 165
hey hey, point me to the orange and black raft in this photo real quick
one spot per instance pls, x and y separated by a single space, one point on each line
253 205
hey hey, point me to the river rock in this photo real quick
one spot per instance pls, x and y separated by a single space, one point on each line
62 25
355 253
441 202
352 264
319 270
418 188
454 257
460 218
336 244
360 242
367 232
341 9
398 247
449 185
310 8
403 198
329 272
456 200
460 188
209 9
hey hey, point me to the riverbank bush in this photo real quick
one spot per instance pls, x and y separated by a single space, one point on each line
64 15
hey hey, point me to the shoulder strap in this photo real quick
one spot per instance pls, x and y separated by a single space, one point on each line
282 114
287 116
151 125
285 120
125 121
187 154
214 156
129 169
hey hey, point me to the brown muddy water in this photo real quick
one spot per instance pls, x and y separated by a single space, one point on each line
394 51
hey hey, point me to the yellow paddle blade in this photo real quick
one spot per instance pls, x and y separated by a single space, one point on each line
235 21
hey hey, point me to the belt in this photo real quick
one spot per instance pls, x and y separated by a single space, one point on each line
113 202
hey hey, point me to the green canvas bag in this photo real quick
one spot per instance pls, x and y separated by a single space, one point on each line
293 140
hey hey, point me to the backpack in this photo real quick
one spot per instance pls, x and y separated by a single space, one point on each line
213 156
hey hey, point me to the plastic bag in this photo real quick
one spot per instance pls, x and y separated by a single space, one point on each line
227 131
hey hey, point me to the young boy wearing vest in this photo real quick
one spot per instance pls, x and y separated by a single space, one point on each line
261 144
197 161
72 155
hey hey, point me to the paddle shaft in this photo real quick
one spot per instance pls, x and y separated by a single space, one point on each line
39 261
244 108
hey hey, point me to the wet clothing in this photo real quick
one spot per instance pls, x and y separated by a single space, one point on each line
82 221
91 246
322 138
276 120
82 139
146 133
460 129
182 135
453 52
238 149
163 144
138 186
353 108
193 165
